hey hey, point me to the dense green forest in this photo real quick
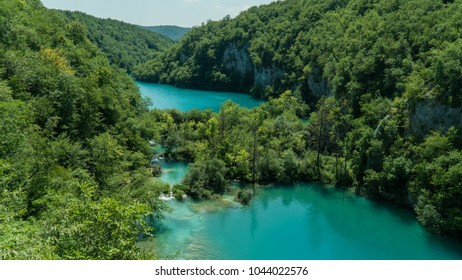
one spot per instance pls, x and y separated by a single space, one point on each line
75 181
347 47
362 93
383 83
173 32
125 45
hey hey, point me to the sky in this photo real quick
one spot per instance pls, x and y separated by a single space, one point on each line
186 13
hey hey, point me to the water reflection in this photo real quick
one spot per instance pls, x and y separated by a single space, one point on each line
300 221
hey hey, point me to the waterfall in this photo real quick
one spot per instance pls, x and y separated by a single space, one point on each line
169 196
379 127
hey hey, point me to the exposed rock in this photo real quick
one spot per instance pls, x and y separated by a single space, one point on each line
183 57
238 60
266 76
317 84
431 115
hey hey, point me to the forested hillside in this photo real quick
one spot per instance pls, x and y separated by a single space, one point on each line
344 47
125 45
383 80
173 32
74 159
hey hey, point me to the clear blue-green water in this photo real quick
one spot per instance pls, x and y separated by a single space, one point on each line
304 221
173 172
170 97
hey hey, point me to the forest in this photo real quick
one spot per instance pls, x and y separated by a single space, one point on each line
74 152
361 93
176 33
125 45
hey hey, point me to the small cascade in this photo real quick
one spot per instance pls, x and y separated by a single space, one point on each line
171 191
169 197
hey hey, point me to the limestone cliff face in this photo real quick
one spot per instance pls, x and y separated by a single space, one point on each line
238 60
317 84
430 115
183 57
267 76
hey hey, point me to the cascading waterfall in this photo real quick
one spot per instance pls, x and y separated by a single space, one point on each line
169 196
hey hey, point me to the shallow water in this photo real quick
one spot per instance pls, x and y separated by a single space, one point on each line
173 172
170 97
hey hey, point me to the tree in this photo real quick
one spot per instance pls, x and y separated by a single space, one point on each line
206 178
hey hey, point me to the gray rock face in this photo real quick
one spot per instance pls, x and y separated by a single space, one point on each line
183 57
266 76
430 115
235 59
317 84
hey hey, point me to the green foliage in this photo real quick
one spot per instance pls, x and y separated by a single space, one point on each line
179 191
427 214
265 144
104 229
245 196
206 178
349 48
125 45
21 240
74 157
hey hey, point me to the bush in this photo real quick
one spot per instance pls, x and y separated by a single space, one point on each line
179 191
427 214
206 178
245 196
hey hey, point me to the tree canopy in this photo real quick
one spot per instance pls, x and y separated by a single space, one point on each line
74 157
173 32
125 45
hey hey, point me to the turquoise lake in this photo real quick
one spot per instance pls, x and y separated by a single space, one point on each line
304 221
170 97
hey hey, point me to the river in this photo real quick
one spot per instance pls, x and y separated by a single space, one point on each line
303 221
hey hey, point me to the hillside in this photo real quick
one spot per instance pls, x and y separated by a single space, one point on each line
343 47
74 182
173 32
125 45
384 83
